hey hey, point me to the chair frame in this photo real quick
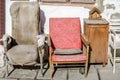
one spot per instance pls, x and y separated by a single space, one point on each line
85 42
114 58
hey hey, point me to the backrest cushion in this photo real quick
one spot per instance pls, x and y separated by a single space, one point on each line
65 33
25 22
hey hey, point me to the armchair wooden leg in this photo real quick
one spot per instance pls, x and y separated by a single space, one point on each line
86 69
86 63
50 63
104 64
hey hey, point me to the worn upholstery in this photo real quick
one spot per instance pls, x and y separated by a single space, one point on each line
25 22
23 54
25 26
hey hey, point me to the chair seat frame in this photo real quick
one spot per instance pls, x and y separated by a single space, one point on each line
113 36
86 43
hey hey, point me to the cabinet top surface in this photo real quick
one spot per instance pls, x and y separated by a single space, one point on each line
100 21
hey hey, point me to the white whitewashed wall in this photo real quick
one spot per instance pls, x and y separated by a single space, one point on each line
48 11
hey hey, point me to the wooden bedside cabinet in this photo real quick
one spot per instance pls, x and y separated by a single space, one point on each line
97 33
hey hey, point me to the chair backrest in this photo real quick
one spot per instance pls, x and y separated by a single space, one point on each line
25 22
65 33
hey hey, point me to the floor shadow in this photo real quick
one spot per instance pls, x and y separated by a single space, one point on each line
98 73
55 69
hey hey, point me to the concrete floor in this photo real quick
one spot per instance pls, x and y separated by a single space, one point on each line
96 72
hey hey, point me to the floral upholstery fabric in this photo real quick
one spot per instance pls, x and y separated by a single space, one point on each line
65 33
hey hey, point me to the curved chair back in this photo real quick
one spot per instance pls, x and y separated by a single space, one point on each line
25 24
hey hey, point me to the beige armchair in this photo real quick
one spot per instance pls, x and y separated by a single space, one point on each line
22 47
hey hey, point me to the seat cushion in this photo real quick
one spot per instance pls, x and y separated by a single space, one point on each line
69 58
23 54
67 51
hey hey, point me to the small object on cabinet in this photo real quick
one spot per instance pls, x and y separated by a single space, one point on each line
95 13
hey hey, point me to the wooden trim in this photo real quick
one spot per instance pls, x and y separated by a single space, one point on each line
85 40
19 0
67 4
69 62
2 18
69 1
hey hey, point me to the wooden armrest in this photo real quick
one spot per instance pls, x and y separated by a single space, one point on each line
87 45
50 50
85 40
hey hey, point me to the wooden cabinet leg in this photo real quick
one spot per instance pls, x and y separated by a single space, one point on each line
104 64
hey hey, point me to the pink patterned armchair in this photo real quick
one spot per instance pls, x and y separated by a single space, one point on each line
66 42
